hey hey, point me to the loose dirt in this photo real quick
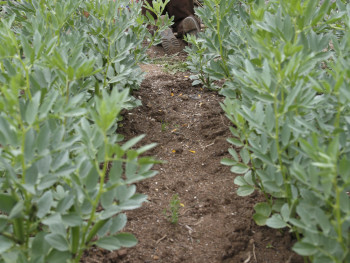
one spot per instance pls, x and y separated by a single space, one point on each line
214 224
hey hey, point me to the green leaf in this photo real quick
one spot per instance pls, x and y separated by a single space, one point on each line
285 212
56 256
37 42
133 203
49 100
57 241
259 219
72 219
245 190
31 176
344 169
126 239
3 223
39 246
59 160
270 120
8 133
5 244
29 146
52 219
239 168
266 75
272 187
344 202
244 153
17 210
239 180
132 142
44 204
124 192
248 177
276 221
27 50
75 112
263 209
146 148
305 249
115 172
118 223
286 132
228 162
233 154
7 202
107 198
32 108
43 138
235 142
109 243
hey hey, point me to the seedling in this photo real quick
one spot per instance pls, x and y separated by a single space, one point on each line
174 207
269 245
164 126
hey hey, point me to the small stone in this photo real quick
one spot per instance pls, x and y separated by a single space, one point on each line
155 257
122 253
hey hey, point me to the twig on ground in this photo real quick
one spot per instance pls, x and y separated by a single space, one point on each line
158 241
254 253
248 259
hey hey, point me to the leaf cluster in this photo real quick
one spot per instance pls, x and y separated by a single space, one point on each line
67 71
287 95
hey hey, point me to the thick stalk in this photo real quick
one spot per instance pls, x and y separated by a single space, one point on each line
218 21
337 209
67 88
87 236
287 185
18 229
108 60
75 232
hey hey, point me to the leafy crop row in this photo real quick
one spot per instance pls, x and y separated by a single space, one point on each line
287 86
68 69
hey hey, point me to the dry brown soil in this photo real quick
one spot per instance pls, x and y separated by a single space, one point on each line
215 225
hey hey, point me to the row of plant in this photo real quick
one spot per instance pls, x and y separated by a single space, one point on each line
286 67
68 69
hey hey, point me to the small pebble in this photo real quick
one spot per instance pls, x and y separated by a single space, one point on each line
122 253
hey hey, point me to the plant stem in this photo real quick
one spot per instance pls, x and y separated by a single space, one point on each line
286 182
218 21
108 60
87 236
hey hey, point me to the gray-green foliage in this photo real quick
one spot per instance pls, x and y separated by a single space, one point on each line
288 99
220 46
67 70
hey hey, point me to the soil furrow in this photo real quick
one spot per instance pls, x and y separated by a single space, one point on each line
215 225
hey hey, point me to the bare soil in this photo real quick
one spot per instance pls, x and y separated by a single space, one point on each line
215 225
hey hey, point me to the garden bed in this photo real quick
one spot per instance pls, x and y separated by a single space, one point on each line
215 225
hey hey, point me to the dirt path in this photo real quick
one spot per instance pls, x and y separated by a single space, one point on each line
214 224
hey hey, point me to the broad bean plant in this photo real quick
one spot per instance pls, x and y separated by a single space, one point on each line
68 69
286 78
